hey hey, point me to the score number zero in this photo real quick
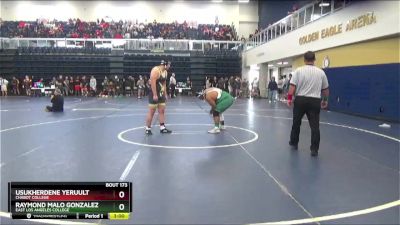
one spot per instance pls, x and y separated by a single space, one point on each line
121 194
121 206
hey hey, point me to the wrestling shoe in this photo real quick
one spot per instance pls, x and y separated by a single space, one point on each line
215 130
165 131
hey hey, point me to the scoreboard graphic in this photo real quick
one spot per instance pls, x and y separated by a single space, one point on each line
70 200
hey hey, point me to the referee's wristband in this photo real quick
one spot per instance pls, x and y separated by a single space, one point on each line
325 98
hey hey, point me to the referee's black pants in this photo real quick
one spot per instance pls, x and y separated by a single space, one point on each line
311 107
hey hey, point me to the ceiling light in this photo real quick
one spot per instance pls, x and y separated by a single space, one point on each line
243 1
285 63
279 63
324 4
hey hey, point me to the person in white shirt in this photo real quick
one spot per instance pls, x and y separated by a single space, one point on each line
172 85
3 84
307 84
208 83
93 85
140 86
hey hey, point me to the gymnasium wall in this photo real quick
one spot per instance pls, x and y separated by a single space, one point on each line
163 11
273 11
364 60
386 14
364 78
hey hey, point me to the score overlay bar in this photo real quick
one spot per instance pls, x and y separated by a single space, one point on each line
69 200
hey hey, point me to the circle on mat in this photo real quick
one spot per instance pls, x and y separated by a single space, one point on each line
331 217
255 137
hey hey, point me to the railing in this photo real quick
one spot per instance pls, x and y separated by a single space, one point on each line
126 44
297 19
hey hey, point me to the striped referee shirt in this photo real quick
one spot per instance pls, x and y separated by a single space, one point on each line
309 81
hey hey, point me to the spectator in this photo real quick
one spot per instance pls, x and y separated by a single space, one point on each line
84 85
255 88
172 85
104 85
66 86
93 86
132 84
3 85
230 85
15 86
101 29
280 88
245 88
214 82
52 83
60 83
272 90
188 82
226 84
208 82
111 88
71 86
128 86
287 85
189 85
27 85
77 86
117 86
221 83
141 86
236 87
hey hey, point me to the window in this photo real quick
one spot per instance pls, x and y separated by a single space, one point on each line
317 12
326 6
288 24
283 27
269 32
294 21
338 4
301 18
278 30
308 14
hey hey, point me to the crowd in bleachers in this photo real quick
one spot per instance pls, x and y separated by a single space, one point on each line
76 28
86 86
63 51
235 86
113 86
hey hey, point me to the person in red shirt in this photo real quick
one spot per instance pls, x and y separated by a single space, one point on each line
21 24
118 35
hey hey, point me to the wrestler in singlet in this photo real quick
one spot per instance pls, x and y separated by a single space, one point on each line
162 78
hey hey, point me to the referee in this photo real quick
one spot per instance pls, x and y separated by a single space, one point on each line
307 84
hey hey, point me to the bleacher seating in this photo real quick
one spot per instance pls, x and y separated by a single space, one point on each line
76 28
48 62
63 51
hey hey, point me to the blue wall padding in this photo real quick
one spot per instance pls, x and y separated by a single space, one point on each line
371 90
